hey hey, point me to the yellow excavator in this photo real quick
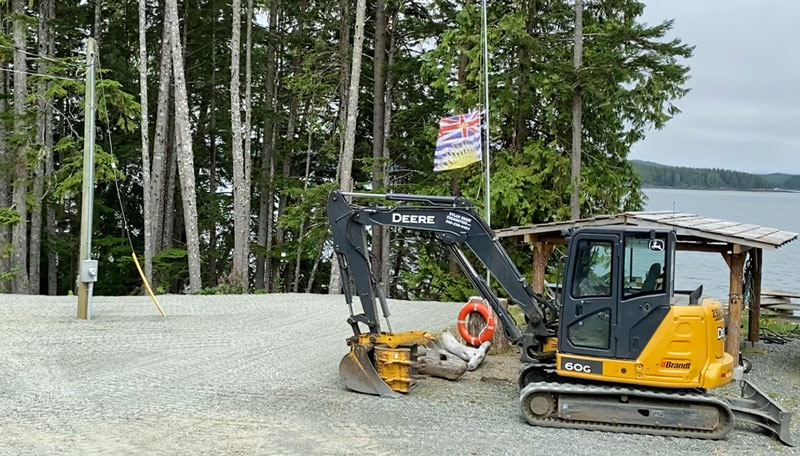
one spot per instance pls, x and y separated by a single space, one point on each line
616 352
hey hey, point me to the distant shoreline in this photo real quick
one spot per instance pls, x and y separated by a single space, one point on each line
752 190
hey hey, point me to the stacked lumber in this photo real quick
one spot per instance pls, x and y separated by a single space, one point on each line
780 303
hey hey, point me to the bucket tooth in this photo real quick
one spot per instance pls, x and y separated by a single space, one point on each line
359 374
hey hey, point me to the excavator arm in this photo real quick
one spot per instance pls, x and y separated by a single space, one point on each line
455 223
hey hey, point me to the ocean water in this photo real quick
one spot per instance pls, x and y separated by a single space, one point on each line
771 209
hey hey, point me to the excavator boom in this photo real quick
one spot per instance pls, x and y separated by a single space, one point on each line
454 222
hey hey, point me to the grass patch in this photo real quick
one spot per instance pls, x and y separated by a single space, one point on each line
778 325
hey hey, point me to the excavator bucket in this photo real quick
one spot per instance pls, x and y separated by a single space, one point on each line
359 374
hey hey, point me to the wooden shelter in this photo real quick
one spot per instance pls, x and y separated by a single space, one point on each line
733 240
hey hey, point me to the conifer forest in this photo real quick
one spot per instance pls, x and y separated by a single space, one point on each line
222 126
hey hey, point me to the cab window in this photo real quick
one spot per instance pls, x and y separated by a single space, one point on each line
592 277
644 261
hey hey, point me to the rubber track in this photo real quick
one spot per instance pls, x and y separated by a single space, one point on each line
726 415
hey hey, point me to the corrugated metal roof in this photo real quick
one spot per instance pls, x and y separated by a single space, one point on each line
685 224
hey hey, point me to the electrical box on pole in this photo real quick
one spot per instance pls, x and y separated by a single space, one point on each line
88 273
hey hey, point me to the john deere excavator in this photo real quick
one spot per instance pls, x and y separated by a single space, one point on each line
615 353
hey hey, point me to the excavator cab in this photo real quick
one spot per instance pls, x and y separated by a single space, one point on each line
618 288
620 321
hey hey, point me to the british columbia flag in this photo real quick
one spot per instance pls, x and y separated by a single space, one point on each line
459 142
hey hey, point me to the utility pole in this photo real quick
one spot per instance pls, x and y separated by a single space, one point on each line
88 267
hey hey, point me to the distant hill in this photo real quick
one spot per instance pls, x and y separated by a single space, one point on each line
658 175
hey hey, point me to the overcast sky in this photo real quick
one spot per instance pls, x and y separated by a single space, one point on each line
743 110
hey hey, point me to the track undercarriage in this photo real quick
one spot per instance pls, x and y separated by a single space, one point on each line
547 400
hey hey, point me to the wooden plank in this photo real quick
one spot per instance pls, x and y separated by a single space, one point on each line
781 293
709 236
769 301
716 225
702 247
779 238
663 216
664 211
554 227
757 233
767 312
787 307
734 230
685 221
700 221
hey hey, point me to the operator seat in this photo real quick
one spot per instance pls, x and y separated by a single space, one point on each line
651 280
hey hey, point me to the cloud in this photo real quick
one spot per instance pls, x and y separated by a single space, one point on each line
743 111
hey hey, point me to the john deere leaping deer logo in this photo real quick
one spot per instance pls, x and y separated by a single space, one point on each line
656 245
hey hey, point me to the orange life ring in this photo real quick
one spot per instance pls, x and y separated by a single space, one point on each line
476 305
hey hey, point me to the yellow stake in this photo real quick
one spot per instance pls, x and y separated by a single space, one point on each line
147 285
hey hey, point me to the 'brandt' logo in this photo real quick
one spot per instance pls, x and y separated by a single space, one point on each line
419 219
673 365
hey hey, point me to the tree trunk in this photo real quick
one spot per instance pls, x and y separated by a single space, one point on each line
335 283
265 184
35 253
378 112
313 273
306 176
145 126
212 167
438 362
168 219
387 128
577 115
473 356
344 73
97 28
49 167
291 126
523 106
5 179
19 235
160 142
346 157
248 141
184 149
288 158
270 215
241 191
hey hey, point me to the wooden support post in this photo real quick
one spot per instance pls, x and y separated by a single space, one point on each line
753 325
475 323
736 263
541 253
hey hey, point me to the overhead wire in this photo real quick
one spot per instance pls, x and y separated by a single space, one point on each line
119 194
43 57
52 76
111 152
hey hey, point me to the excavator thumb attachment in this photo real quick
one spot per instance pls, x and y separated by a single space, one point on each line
359 374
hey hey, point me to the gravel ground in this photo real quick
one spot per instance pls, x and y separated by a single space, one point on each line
258 375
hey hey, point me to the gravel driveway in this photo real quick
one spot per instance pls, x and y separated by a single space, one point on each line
258 375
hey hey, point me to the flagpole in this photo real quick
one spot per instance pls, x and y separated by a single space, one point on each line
485 33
